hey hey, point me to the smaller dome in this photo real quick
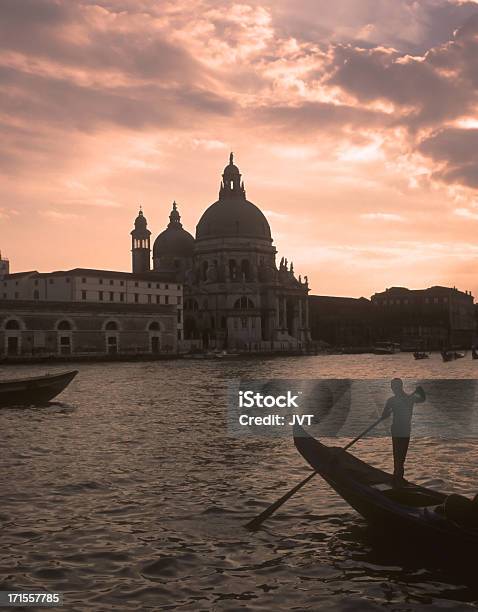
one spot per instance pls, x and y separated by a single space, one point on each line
140 226
174 241
140 222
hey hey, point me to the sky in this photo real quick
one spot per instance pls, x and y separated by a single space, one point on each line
354 124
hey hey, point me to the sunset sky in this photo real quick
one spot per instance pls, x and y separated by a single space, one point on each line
354 123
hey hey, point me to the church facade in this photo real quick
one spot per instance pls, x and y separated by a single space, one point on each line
235 295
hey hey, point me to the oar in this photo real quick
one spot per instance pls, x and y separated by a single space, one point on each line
258 520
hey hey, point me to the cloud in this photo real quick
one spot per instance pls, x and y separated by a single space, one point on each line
456 152
382 216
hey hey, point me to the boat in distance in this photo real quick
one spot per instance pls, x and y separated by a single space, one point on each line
415 512
34 391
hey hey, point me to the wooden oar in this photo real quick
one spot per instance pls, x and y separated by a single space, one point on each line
258 520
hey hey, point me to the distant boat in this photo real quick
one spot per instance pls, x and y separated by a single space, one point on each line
421 355
226 355
451 355
34 391
386 348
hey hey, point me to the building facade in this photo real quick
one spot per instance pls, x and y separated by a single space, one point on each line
88 312
433 318
341 322
235 296
45 328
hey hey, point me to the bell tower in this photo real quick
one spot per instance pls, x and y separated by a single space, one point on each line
140 244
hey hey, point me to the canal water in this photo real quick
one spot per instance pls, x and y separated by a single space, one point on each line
128 493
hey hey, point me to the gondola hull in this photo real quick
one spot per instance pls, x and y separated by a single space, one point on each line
34 391
409 511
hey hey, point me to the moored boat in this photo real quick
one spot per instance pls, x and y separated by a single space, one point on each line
386 348
451 355
34 391
421 355
414 511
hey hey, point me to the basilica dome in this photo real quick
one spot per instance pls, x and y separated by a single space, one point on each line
232 215
174 241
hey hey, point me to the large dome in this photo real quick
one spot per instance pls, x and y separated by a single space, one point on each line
174 241
232 214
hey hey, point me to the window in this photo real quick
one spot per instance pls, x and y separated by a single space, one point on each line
112 281
166 286
179 287
101 281
179 299
149 285
149 298
244 322
64 325
244 303
100 295
112 296
83 295
179 316
158 299
16 295
121 297
83 280
158 286
136 284
136 298
166 299
111 326
154 326
12 324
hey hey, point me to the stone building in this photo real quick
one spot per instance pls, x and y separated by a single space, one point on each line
431 318
235 296
89 312
341 322
44 328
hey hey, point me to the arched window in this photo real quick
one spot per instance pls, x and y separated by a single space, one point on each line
12 324
244 303
111 326
154 326
64 325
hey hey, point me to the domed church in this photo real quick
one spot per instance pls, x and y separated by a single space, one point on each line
235 296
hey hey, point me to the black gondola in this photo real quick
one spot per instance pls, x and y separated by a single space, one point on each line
410 510
34 391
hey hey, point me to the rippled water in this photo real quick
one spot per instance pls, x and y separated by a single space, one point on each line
128 494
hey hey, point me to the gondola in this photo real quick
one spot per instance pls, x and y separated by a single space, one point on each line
34 391
410 511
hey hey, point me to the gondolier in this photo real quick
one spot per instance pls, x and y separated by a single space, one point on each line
400 405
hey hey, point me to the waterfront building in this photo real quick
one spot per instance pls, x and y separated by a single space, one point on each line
89 312
341 322
430 318
235 295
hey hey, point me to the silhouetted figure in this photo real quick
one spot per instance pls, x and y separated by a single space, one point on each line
400 405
